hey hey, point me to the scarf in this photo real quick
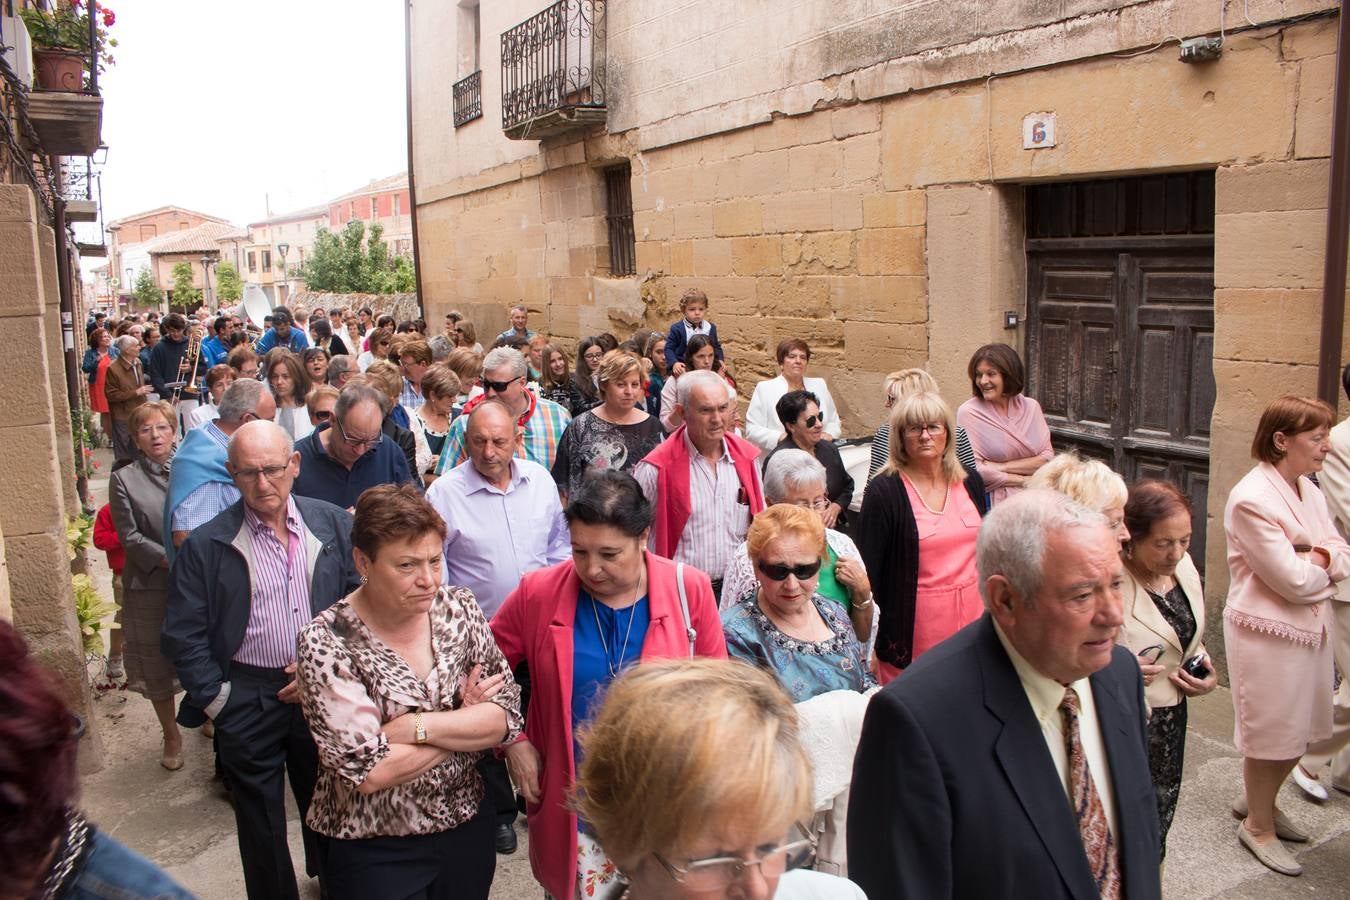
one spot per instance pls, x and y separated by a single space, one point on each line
199 460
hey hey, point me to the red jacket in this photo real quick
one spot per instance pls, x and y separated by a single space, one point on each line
671 460
535 625
105 539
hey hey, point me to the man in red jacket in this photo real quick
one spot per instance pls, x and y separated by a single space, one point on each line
702 481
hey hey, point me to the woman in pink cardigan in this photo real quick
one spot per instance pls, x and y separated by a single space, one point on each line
1285 557
577 625
1007 429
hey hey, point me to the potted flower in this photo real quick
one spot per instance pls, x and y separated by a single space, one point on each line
60 33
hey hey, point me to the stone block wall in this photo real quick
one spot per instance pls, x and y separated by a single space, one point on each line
37 449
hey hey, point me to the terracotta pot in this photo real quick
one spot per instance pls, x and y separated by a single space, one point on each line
59 69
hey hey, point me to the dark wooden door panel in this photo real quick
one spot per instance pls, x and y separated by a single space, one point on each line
1120 354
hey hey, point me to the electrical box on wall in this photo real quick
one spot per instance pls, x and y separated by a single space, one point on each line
18 48
1011 319
1203 49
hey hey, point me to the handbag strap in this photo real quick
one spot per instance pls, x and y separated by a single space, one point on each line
684 608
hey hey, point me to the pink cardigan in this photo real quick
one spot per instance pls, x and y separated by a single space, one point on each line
535 624
1274 589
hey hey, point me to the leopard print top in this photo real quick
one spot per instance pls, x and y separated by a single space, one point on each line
351 683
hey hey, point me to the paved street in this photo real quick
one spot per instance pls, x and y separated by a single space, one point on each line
180 820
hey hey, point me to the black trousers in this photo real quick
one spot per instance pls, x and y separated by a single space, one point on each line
450 865
501 796
262 743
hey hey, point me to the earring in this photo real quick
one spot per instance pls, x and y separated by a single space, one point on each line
363 580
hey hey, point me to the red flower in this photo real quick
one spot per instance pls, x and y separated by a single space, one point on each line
75 4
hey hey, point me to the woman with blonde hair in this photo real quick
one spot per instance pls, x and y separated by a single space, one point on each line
899 384
1091 483
1285 558
721 818
917 528
613 436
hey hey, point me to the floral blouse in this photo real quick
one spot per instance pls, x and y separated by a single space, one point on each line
803 668
351 683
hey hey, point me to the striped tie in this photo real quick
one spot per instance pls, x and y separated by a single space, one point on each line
1087 806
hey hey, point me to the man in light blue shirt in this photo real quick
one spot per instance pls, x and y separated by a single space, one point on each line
502 513
520 318
282 334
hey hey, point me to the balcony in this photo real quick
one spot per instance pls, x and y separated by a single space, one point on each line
468 93
553 71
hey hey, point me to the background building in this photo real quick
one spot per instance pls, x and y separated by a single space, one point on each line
900 183
127 235
385 202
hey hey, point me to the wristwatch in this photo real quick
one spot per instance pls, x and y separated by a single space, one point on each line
419 729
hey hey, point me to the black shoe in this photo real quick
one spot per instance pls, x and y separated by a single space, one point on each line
506 839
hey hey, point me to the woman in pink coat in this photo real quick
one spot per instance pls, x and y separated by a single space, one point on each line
577 625
1285 557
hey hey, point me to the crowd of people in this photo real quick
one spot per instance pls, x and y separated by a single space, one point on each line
434 587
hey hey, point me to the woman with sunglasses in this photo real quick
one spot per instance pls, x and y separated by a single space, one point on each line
721 818
784 625
917 528
804 424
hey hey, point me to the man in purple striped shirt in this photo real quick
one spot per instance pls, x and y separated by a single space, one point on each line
240 589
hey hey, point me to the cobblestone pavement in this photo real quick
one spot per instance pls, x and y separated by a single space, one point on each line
180 820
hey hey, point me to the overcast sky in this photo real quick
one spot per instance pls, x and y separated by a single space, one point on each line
227 107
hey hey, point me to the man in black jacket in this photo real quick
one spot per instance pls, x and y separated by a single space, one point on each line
240 589
1011 760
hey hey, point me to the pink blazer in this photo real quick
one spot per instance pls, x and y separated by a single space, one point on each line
534 624
1275 589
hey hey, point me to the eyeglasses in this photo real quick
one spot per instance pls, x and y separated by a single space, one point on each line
271 473
324 415
779 572
498 387
593 356
818 504
928 427
812 420
363 443
718 872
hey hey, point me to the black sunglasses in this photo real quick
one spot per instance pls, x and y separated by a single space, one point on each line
498 387
812 420
780 572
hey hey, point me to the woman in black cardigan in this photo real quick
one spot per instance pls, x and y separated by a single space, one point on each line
916 531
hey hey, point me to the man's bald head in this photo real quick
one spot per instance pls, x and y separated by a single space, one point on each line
489 411
259 436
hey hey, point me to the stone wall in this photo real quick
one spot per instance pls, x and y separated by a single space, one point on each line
35 432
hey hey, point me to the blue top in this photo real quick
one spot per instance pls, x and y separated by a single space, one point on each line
324 478
601 638
296 342
803 668
111 870
214 351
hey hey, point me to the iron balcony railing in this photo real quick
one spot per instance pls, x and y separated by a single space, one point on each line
468 93
553 70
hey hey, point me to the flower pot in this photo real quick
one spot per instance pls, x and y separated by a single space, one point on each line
58 69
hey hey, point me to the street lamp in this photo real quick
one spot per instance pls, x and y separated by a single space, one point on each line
206 271
130 286
282 249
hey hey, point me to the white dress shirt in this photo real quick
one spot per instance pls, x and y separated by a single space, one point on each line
493 537
1045 695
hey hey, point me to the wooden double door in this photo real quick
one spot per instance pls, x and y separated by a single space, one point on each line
1120 355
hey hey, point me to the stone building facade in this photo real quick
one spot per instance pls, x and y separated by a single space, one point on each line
863 174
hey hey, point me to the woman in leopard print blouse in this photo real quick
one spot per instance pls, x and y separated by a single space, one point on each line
403 687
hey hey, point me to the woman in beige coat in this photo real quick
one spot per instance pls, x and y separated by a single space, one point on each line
1163 604
1285 557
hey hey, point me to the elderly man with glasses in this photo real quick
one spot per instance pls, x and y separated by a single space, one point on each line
240 590
542 421
338 461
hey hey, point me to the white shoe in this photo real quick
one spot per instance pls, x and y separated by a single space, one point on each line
1310 785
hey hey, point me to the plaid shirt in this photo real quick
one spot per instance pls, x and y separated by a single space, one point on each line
543 430
410 398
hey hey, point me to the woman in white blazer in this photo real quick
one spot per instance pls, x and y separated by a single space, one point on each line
1163 604
762 427
1284 558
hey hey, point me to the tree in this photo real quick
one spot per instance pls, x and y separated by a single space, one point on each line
229 286
184 294
146 292
352 262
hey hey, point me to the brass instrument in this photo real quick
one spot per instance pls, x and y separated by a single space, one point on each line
190 360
